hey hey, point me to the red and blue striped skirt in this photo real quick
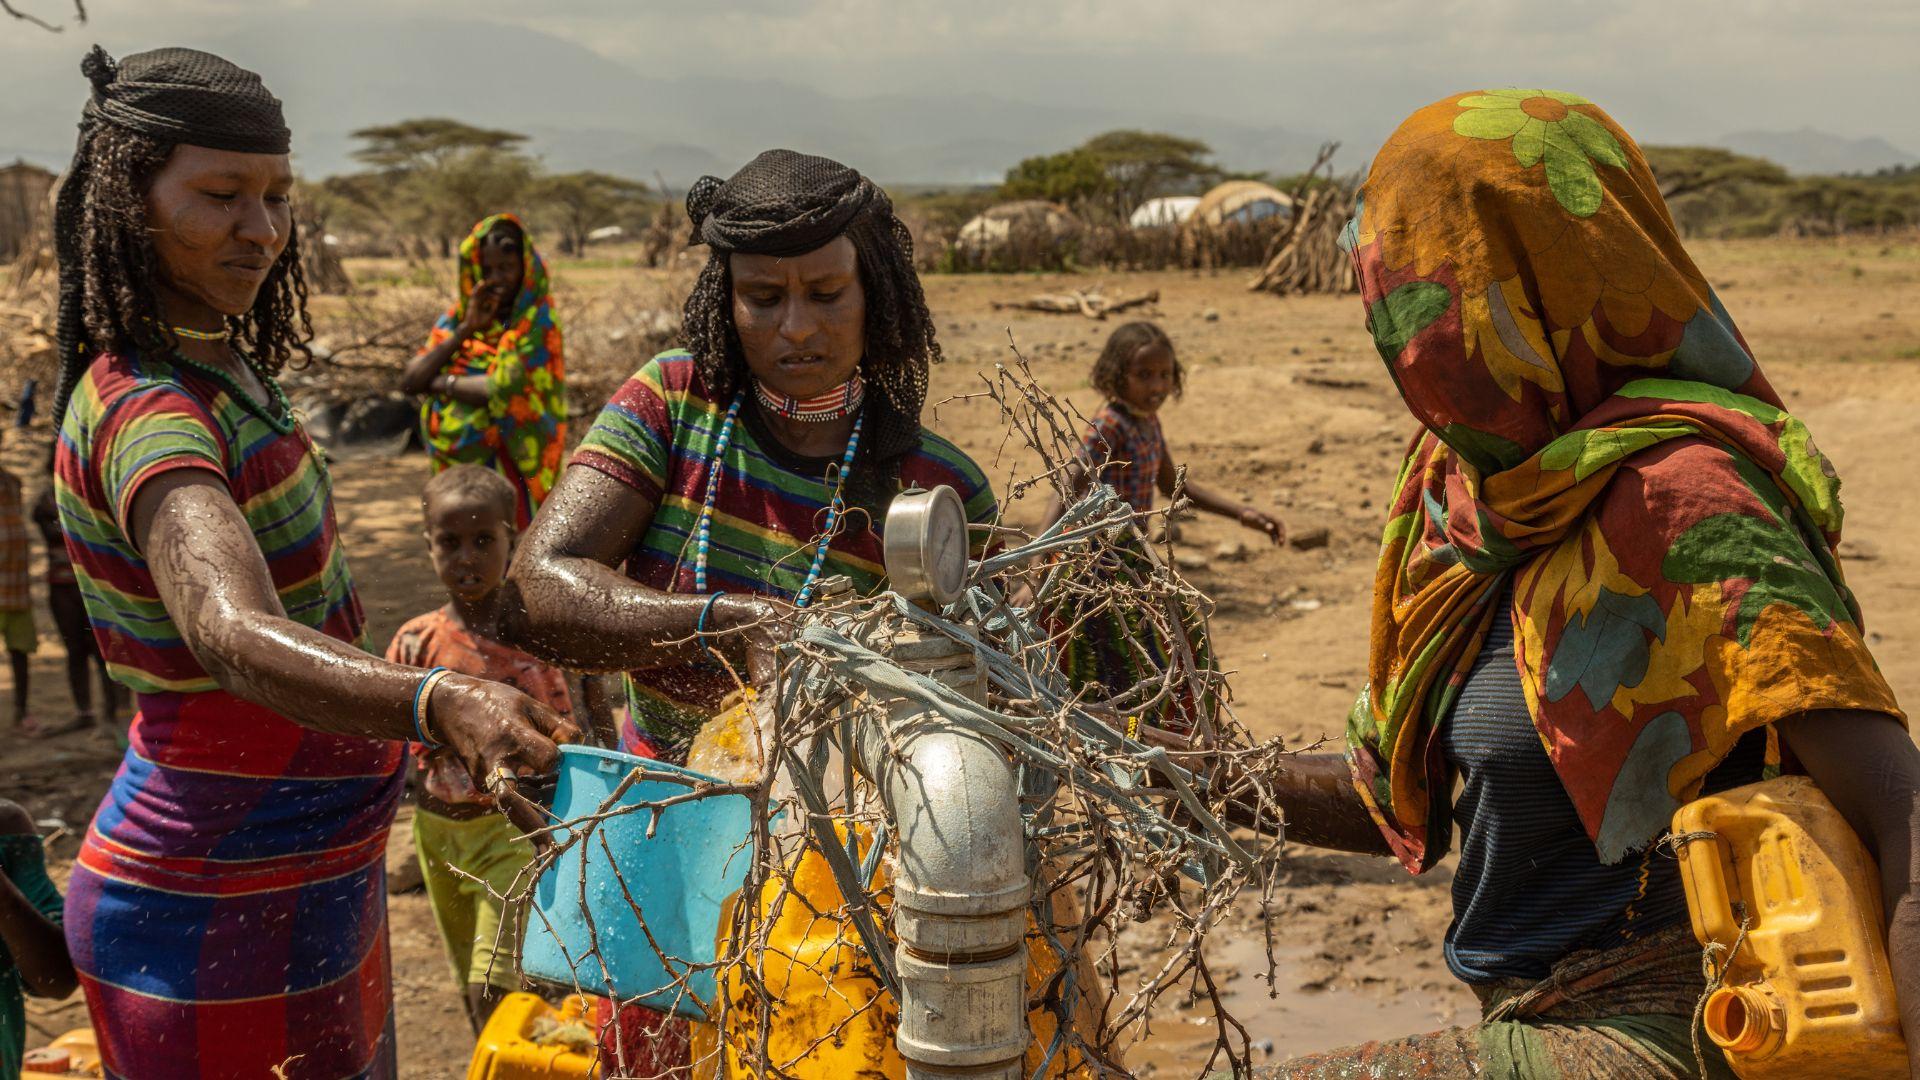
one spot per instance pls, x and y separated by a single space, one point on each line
227 912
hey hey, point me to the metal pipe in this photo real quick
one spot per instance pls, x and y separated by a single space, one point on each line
960 889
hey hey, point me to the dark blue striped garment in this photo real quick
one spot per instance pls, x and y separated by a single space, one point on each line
1530 887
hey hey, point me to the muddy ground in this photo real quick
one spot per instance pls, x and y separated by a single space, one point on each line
1288 406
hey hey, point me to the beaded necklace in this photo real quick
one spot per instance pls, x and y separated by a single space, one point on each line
836 404
703 531
277 413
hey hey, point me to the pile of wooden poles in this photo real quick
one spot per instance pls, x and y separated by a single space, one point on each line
1306 258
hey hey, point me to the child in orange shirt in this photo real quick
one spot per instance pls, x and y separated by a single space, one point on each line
470 514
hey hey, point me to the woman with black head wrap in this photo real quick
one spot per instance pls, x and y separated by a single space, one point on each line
226 911
741 471
731 477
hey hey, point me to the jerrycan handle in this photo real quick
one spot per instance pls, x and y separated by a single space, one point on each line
1707 866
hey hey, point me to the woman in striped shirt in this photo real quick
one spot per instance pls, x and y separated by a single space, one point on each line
735 475
226 911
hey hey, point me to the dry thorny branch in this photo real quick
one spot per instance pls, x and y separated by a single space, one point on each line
1123 818
79 14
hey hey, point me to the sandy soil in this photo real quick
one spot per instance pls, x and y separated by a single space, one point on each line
1288 406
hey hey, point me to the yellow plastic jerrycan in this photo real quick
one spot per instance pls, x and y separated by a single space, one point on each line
821 982
1808 992
820 978
510 1047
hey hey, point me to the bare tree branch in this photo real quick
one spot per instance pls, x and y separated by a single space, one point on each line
79 12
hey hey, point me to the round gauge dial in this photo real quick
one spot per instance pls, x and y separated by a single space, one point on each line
926 546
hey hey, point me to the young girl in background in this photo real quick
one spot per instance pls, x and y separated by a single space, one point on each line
1124 446
1124 656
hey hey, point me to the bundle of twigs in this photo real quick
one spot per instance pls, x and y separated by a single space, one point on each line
1121 821
1307 257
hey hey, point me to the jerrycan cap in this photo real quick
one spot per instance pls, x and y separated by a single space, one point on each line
1746 1020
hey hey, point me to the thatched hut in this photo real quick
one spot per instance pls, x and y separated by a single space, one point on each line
1165 211
1031 234
999 225
1240 202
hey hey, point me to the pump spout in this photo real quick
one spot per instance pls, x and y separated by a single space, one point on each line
960 888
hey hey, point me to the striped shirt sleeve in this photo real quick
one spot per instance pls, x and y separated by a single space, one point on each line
150 432
939 461
632 440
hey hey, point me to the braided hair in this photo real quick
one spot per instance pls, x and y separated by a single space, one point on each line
787 204
108 265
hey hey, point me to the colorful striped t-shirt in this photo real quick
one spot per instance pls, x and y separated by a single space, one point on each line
656 435
226 906
132 420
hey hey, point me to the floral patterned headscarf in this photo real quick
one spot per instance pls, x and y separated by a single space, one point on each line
1595 428
521 432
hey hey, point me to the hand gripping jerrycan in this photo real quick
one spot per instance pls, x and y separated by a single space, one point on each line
1808 992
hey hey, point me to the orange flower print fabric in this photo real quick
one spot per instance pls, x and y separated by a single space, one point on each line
1594 426
521 431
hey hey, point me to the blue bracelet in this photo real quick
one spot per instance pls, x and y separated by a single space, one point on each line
419 729
700 624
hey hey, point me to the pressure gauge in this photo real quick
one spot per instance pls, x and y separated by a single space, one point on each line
926 546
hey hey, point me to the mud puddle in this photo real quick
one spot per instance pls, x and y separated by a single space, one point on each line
1307 1015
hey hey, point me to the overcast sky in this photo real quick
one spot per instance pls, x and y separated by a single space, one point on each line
1669 70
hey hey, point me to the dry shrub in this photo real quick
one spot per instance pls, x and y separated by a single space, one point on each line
613 334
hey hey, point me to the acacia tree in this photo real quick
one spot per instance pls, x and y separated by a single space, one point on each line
438 176
1684 170
1710 189
1110 174
1143 164
581 202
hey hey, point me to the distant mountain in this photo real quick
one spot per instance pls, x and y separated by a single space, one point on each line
585 111
1810 151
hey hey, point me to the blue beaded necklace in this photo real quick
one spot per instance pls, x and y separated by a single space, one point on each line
702 536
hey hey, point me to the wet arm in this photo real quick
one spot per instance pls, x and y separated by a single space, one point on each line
1867 764
211 577
1316 793
577 609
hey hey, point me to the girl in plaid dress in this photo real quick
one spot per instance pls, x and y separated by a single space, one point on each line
1118 655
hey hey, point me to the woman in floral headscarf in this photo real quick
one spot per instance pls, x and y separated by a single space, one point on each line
492 374
1607 584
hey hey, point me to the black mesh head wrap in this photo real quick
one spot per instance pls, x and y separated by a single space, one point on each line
786 204
782 204
165 98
